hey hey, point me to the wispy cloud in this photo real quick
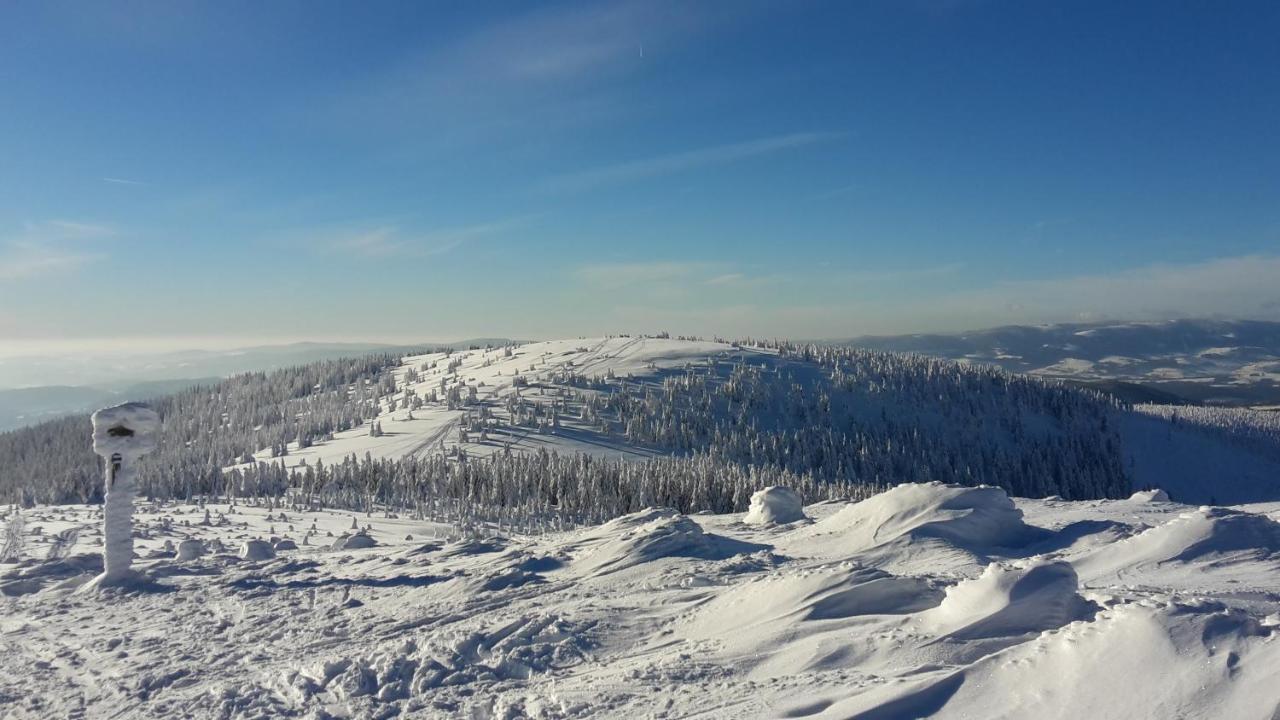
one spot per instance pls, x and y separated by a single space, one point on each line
557 44
668 280
552 65
379 242
48 247
392 240
20 261
837 192
726 279
122 181
50 230
620 275
681 162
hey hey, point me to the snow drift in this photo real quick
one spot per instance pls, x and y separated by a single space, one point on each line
1009 601
920 524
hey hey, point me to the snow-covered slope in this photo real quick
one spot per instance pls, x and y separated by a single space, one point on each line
488 379
924 601
641 397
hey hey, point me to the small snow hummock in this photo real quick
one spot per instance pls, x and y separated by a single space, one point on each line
1153 495
358 541
190 549
774 505
256 550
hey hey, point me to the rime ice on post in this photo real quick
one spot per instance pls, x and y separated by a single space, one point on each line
121 435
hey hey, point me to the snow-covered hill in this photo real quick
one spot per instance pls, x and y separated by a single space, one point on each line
480 418
926 600
630 397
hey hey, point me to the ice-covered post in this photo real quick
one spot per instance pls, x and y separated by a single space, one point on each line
121 435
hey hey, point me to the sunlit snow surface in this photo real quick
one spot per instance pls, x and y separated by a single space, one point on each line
927 600
434 427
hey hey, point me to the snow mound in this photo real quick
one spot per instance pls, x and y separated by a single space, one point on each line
190 549
652 535
1212 536
775 604
1006 601
256 550
638 519
973 518
677 536
359 541
1142 660
774 505
1148 496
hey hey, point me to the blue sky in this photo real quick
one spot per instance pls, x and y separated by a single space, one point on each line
216 173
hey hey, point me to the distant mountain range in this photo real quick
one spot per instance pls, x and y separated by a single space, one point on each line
1219 362
38 388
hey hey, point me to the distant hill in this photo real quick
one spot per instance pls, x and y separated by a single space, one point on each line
1218 362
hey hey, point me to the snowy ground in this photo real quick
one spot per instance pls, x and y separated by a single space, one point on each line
926 600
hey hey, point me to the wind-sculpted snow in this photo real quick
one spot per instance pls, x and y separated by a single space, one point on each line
928 600
921 524
1206 542
1009 600
651 535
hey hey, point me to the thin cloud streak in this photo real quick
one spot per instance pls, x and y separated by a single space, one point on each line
392 241
122 181
548 67
48 247
619 275
66 230
680 162
669 279
24 260
838 192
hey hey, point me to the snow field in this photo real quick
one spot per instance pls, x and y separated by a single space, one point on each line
926 600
